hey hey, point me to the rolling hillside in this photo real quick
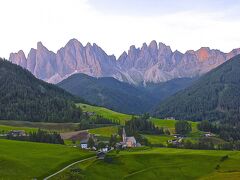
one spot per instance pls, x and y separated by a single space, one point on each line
106 113
215 96
24 97
159 163
27 160
120 96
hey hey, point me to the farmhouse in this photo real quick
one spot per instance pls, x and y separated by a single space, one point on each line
16 133
128 141
208 134
84 137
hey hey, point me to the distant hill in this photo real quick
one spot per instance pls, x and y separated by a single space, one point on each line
120 96
24 97
215 96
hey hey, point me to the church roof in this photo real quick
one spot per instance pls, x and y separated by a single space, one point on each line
131 139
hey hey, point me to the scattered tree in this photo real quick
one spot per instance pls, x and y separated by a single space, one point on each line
183 127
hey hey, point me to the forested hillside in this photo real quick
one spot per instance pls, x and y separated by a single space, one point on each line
120 96
215 96
24 97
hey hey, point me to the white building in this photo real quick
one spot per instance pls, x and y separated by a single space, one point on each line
84 145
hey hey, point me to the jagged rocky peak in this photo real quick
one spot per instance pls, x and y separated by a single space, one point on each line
155 62
203 53
19 58
153 45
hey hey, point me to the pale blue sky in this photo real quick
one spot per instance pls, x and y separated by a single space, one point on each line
117 24
160 7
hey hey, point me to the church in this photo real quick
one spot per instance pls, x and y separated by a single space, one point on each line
128 141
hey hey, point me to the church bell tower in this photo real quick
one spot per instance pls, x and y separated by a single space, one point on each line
124 136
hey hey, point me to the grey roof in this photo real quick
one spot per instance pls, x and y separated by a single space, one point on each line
131 139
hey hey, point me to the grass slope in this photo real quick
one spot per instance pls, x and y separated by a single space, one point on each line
26 160
104 131
159 163
170 124
106 113
60 127
4 128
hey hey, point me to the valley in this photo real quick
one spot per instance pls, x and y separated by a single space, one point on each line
113 90
124 164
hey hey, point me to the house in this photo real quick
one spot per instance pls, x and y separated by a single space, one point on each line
84 140
128 141
175 141
169 118
84 145
101 155
105 150
16 133
208 134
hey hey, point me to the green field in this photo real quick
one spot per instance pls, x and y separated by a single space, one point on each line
27 160
104 131
5 129
159 163
170 124
158 139
106 113
60 127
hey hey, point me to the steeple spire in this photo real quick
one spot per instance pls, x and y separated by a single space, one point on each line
124 135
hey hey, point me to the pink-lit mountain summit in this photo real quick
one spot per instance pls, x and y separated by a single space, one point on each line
150 63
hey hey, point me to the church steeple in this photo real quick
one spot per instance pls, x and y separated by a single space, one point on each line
124 136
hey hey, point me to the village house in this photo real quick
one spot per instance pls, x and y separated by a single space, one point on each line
84 139
82 136
208 134
16 133
105 149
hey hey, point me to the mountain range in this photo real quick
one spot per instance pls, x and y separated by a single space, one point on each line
215 96
151 63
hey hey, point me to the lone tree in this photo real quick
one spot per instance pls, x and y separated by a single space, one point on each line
183 127
113 140
101 145
91 142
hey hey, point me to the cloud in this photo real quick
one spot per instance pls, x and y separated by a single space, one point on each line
54 22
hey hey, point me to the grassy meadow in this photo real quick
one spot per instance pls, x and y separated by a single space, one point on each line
26 125
158 139
104 131
106 113
159 163
28 160
5 128
170 124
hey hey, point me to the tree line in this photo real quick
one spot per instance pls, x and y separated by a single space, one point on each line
89 122
39 136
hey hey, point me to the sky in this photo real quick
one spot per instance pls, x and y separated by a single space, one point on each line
116 25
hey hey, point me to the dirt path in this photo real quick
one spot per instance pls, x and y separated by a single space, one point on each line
68 167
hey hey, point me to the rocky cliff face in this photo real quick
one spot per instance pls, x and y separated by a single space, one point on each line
157 63
150 63
73 58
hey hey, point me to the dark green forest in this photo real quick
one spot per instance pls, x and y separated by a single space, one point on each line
120 96
214 97
24 97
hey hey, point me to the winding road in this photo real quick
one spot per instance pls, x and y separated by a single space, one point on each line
46 178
